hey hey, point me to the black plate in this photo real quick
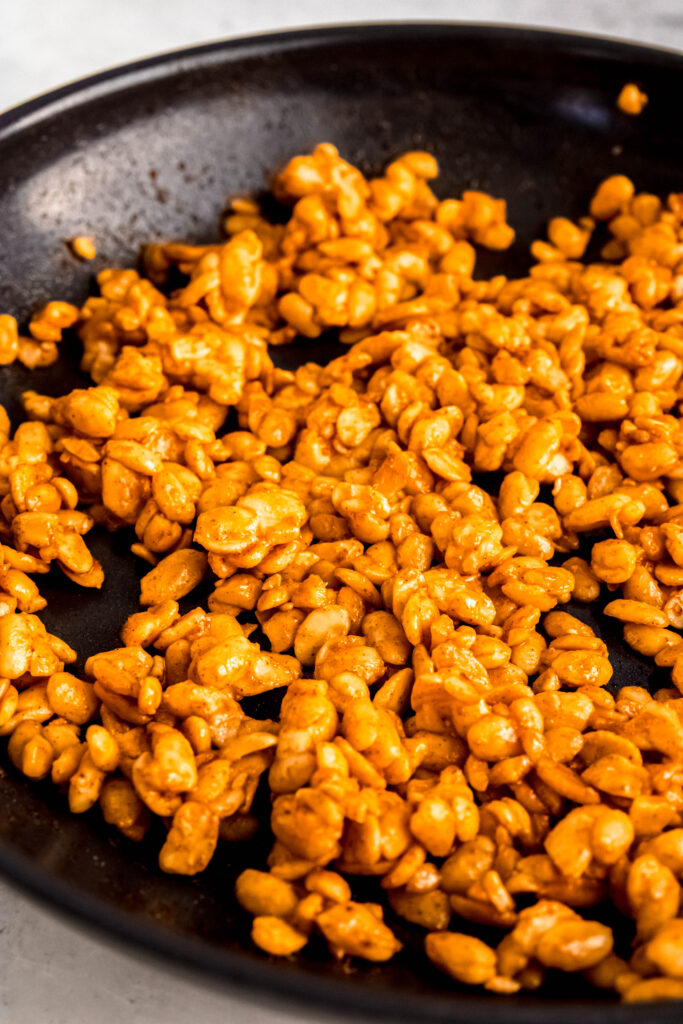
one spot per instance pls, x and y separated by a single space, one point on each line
151 151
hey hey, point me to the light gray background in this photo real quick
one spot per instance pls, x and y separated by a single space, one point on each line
50 972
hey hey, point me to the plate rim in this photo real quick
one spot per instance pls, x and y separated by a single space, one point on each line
141 69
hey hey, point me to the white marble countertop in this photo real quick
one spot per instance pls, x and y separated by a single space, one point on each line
53 973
